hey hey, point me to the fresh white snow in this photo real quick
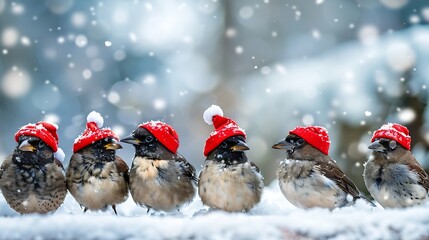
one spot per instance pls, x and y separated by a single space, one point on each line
273 218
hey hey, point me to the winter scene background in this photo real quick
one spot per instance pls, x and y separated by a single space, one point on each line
347 65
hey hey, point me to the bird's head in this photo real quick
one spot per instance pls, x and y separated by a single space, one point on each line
291 143
384 145
297 148
231 150
390 142
32 151
147 145
104 149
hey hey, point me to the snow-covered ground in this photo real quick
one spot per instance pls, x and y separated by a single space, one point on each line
273 218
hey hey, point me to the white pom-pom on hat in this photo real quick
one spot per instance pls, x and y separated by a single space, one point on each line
59 154
96 118
209 113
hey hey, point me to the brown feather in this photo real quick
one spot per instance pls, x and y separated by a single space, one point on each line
253 165
189 170
332 171
122 167
423 176
329 168
5 165
59 163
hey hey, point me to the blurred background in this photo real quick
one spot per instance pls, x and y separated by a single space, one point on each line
272 65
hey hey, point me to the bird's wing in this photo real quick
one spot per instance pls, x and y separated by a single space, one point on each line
5 165
188 169
253 165
423 176
122 167
59 163
332 171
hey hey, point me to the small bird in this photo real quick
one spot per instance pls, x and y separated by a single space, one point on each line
96 176
160 177
32 178
308 177
228 181
392 174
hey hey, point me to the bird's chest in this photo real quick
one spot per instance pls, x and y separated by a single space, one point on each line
159 184
232 188
393 185
293 170
29 175
148 169
95 180
98 170
94 174
304 186
213 174
228 176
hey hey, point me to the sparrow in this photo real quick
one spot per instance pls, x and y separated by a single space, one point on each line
160 177
309 177
228 180
392 174
32 178
96 177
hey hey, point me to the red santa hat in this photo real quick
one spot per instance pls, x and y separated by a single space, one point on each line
395 132
316 136
47 132
224 128
93 132
165 134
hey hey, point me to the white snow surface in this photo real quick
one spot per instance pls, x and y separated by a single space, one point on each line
96 118
209 113
273 218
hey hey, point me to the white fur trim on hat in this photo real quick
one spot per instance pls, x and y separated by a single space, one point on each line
209 113
59 154
95 117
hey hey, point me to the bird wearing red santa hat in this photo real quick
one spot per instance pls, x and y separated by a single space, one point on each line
96 177
32 178
228 181
160 177
392 174
308 177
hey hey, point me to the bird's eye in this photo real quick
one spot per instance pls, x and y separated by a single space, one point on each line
392 144
223 145
149 139
300 141
41 144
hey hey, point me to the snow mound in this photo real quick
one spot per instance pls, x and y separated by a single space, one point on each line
273 218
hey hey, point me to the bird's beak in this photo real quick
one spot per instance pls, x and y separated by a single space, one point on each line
113 146
282 144
131 140
26 147
240 147
377 146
